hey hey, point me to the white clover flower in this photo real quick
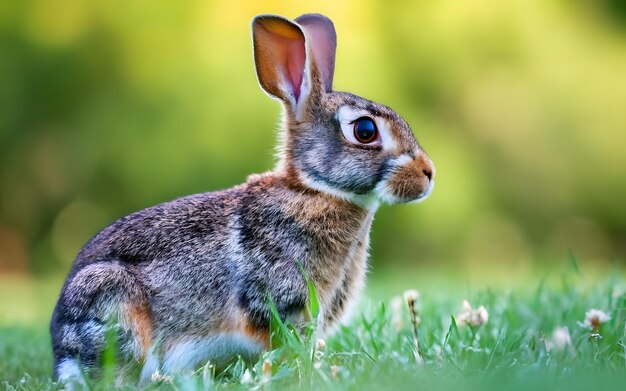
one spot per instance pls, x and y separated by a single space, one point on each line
246 378
482 316
320 345
560 340
595 318
411 296
472 317
334 371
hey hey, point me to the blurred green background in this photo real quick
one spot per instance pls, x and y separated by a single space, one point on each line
110 106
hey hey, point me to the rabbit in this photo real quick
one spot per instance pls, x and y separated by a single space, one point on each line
187 281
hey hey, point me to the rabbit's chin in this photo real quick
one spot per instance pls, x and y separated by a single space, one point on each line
368 201
386 195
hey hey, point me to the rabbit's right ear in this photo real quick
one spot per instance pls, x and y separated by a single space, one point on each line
279 57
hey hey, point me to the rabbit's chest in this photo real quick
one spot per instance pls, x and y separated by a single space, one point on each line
346 278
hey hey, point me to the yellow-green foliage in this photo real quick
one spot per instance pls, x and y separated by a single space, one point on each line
109 106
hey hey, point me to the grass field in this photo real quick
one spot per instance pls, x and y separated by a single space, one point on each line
534 338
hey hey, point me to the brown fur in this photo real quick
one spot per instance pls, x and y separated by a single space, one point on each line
136 316
404 183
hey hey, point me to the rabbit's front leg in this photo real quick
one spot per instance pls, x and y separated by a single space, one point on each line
283 284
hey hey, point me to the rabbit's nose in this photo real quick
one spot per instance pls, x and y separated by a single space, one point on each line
429 173
427 166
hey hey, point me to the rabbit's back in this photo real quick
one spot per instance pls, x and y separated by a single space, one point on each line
164 230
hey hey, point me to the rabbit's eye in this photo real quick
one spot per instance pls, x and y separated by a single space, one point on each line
365 130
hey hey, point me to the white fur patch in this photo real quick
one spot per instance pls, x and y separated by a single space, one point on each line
324 188
346 116
401 160
69 371
219 349
368 202
384 193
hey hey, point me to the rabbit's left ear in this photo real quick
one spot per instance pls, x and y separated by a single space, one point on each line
294 59
280 57
321 41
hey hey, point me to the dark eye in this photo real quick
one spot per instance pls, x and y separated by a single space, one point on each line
365 130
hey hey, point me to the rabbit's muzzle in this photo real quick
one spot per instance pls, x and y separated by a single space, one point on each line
409 179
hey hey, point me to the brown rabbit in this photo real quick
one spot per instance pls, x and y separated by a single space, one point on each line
187 281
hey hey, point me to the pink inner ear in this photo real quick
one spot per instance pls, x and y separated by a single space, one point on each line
279 56
295 58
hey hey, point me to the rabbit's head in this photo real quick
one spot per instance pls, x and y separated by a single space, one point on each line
334 142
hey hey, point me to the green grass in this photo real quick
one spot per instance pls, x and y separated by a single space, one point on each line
375 352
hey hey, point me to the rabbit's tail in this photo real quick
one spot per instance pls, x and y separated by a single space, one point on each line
102 305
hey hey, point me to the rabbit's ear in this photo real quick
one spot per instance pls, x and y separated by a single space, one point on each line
322 44
279 56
